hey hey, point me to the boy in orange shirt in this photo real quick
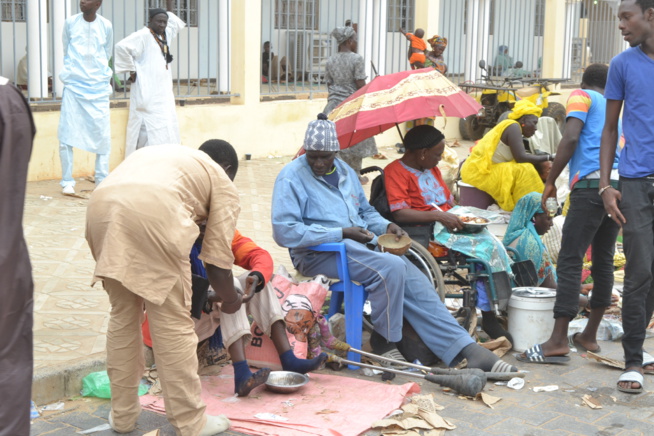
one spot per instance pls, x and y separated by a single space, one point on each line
417 49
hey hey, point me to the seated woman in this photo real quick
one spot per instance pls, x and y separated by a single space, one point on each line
528 223
499 164
418 197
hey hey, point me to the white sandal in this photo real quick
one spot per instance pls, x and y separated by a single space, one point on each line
631 376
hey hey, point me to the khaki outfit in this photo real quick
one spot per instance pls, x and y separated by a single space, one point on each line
141 224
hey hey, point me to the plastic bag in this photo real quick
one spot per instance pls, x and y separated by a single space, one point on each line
610 329
34 412
97 384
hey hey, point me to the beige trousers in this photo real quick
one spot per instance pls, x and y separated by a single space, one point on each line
264 308
174 345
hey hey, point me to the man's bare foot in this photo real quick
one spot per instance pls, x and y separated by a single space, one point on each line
586 343
555 348
631 384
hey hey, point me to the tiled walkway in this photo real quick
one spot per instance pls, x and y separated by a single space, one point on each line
71 321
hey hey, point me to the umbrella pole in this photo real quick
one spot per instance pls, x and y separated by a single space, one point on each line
374 69
400 132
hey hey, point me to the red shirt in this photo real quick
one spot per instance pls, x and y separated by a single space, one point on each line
408 188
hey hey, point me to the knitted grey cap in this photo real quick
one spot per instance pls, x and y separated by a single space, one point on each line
321 135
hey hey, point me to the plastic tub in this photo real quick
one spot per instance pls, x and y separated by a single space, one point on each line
471 196
531 317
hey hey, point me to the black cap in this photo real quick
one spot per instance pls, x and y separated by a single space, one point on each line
157 11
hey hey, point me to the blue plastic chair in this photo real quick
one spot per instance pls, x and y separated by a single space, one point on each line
346 291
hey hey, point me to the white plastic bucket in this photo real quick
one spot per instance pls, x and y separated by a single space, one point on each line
531 319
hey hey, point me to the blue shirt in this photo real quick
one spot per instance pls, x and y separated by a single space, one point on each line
307 211
590 107
630 80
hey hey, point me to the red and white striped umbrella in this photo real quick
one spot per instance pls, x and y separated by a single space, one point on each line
397 98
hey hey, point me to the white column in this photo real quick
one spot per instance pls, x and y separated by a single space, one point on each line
365 28
37 48
482 33
60 11
471 42
379 33
571 14
477 31
223 45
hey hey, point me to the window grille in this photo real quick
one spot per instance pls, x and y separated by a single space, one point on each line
539 26
188 10
401 14
14 10
297 14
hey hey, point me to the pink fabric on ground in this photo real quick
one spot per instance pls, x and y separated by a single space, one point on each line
327 406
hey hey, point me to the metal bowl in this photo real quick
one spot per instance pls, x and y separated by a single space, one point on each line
473 227
285 382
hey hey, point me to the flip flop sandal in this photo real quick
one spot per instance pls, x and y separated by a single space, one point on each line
581 349
631 376
535 355
648 359
502 367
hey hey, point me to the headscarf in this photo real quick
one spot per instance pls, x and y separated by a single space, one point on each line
157 11
521 228
524 107
321 135
503 48
437 40
342 34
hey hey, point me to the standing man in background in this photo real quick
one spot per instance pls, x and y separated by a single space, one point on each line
84 123
16 357
145 55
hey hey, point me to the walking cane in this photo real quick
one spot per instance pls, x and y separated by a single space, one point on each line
446 371
465 384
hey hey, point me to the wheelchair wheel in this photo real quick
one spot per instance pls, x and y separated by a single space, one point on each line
422 258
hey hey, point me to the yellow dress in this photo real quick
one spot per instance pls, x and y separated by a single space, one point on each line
506 182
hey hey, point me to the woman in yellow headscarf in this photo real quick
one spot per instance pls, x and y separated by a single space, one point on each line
499 164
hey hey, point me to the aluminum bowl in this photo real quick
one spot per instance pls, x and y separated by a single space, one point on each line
473 227
285 382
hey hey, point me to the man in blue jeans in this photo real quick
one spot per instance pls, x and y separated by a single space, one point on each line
318 198
630 81
585 224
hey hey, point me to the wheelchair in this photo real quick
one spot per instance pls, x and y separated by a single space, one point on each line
455 275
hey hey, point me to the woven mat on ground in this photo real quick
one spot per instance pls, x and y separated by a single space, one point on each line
327 406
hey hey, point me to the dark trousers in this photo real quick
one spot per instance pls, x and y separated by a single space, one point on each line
638 232
585 224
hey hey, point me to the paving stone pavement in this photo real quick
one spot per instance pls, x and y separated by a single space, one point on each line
520 412
71 321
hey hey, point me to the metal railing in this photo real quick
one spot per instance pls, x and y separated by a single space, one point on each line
201 65
297 35
501 32
591 35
